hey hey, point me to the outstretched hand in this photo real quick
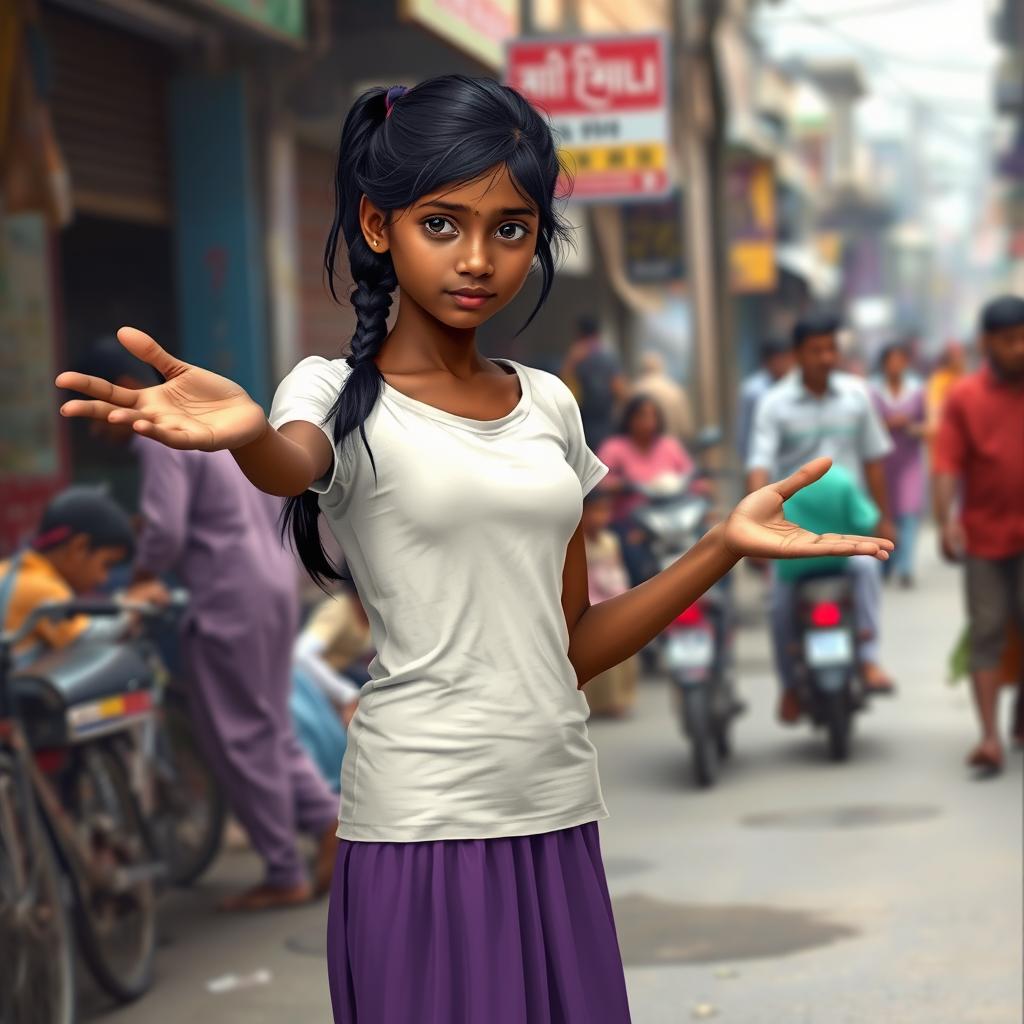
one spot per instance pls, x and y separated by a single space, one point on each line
757 527
192 409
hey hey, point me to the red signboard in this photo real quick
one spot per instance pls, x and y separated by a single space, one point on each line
608 100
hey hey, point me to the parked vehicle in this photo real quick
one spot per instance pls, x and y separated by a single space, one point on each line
77 855
828 681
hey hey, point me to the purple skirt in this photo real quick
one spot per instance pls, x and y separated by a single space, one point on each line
516 930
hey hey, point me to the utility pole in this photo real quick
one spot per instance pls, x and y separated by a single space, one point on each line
693 23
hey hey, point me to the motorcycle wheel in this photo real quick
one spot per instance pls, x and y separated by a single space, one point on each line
37 970
699 728
116 927
190 812
838 723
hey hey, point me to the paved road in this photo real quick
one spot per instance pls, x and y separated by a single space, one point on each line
886 890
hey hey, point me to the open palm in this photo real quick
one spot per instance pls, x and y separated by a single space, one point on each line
193 408
758 529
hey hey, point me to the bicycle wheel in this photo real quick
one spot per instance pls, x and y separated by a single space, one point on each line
115 920
37 968
190 813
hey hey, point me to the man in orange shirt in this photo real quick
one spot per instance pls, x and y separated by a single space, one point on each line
979 449
82 535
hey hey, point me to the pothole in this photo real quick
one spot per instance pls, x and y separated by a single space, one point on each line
655 932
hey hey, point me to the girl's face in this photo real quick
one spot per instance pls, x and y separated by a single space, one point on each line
459 253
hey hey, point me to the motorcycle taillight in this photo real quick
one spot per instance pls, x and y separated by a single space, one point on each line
826 613
50 762
692 616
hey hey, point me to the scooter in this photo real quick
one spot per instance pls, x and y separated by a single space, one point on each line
696 650
827 677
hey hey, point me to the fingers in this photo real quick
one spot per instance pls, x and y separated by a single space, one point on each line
145 348
95 387
92 410
806 474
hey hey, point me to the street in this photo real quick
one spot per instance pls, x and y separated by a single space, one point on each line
884 890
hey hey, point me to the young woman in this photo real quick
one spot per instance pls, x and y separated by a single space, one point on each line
900 399
468 884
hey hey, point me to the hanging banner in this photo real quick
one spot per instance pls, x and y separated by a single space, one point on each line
750 213
608 100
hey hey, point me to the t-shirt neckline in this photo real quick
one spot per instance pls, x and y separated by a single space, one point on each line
465 422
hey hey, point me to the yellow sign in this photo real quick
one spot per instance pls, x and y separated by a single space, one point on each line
750 206
477 27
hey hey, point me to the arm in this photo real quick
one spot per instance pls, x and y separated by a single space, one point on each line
165 495
874 477
608 633
285 462
947 469
605 634
308 656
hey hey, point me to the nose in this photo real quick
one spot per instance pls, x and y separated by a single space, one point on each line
474 259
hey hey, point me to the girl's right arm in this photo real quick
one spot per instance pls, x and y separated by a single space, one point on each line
199 410
286 461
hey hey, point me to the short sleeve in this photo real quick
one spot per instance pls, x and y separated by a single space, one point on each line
875 440
950 446
307 394
586 465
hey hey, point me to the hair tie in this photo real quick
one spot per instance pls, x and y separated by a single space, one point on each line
392 95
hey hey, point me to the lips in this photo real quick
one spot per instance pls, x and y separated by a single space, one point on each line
471 298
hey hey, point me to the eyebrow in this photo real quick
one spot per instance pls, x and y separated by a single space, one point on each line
515 211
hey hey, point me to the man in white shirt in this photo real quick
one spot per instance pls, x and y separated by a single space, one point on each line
813 411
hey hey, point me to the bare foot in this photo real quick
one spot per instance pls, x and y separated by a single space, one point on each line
987 755
268 897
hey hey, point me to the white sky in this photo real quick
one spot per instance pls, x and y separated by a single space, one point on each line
941 51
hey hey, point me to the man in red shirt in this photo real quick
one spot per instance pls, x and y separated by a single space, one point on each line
980 450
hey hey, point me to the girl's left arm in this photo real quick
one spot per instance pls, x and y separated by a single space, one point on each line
608 633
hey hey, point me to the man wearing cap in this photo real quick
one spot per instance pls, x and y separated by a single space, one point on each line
979 451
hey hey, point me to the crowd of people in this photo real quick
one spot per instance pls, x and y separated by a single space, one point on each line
273 690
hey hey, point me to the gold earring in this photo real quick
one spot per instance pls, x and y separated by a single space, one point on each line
375 242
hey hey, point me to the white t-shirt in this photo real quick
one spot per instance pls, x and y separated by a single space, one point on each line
471 726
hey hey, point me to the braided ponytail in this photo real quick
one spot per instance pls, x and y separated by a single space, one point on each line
445 131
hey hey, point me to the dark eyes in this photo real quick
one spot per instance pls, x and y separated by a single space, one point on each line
442 227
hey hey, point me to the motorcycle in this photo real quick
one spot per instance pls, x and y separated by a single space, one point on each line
826 673
77 855
696 649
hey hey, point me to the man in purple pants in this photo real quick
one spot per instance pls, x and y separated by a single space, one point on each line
205 522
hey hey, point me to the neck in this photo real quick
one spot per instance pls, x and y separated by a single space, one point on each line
1013 380
894 382
815 387
420 342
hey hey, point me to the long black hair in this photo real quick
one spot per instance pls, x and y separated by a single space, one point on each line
395 148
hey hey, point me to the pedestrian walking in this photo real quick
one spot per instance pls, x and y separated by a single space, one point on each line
979 454
469 884
899 396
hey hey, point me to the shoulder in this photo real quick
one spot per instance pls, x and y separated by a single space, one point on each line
320 368
548 388
966 388
851 386
777 394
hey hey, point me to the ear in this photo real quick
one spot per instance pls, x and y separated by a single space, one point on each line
373 222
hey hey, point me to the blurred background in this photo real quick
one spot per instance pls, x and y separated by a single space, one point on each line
169 165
